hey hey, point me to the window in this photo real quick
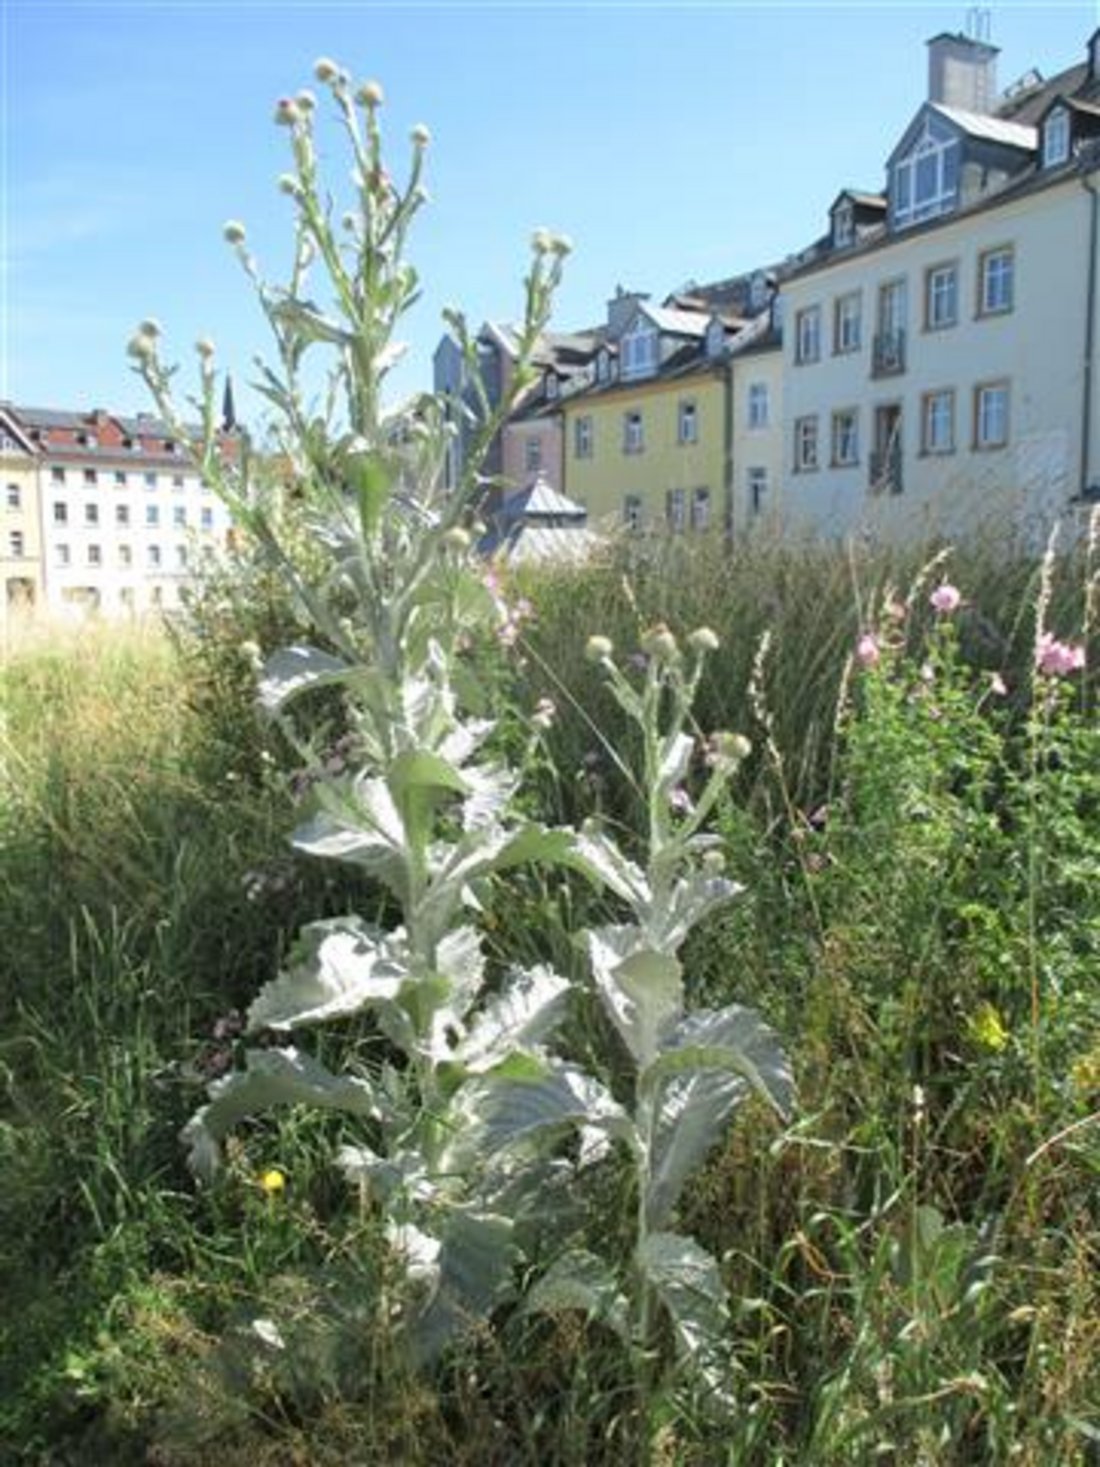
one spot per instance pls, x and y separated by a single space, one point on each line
122 514
991 415
888 355
126 597
153 554
845 438
57 475
926 180
150 481
582 438
16 544
125 555
996 271
638 352
60 512
758 405
676 510
805 444
181 557
758 490
700 509
847 323
61 554
941 297
843 225
120 476
1056 138
91 514
91 476
179 514
938 422
687 426
152 516
551 386
632 511
14 497
633 433
95 555
207 518
532 454
603 367
177 481
807 343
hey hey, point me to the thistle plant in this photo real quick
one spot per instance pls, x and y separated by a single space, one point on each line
420 807
687 1073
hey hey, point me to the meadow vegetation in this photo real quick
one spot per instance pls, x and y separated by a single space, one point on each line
646 1013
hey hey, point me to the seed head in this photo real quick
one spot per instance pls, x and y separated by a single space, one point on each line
233 232
420 136
370 94
325 69
205 348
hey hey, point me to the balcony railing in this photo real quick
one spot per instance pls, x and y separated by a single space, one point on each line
885 476
888 353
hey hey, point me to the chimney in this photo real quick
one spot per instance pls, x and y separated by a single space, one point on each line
962 72
620 309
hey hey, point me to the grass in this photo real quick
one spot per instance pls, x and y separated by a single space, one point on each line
913 1265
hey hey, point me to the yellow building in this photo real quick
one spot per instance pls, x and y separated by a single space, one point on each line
646 440
21 585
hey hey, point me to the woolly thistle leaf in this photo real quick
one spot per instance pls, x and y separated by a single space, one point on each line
294 670
338 968
642 990
579 1280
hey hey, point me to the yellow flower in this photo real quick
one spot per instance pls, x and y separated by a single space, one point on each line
273 1181
987 1029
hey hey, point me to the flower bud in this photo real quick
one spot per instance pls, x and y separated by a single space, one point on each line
288 184
233 232
420 136
141 347
306 101
728 748
205 348
456 538
286 112
546 711
714 861
561 245
370 94
660 644
540 241
598 649
702 639
150 327
325 69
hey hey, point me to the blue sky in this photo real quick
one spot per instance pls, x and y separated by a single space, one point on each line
670 142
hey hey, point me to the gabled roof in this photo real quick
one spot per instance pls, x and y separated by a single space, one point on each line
540 500
11 426
676 322
862 198
1071 104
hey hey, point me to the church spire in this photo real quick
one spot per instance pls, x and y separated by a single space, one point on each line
229 412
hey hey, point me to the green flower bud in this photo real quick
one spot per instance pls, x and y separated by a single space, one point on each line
660 644
233 232
702 639
205 348
420 136
456 538
150 327
370 94
598 649
325 69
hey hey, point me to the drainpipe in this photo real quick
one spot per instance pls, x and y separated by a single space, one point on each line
1089 182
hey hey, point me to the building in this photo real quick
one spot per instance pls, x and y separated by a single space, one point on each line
21 544
940 372
119 508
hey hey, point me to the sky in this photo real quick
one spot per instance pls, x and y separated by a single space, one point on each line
671 142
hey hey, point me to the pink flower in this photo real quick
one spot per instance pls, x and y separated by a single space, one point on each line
680 800
1057 659
945 599
867 650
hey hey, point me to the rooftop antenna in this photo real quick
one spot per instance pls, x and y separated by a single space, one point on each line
979 24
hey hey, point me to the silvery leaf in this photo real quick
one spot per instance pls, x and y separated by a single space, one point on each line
526 1101
292 670
523 1013
689 1285
473 1270
642 990
690 899
271 1077
675 760
579 1280
600 859
338 968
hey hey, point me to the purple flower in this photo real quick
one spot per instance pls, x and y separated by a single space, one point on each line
945 599
1057 659
868 651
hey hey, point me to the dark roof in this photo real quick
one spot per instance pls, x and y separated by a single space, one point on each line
1028 106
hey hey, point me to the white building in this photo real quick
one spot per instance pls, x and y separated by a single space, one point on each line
123 514
941 359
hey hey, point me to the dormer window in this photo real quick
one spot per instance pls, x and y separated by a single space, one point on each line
716 338
926 179
758 291
638 351
1056 137
551 386
603 367
844 226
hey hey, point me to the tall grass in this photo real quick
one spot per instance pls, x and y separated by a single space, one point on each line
912 1266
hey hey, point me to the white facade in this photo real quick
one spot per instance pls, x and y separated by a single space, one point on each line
963 404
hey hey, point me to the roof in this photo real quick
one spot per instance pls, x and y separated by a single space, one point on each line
676 322
527 544
1029 105
992 129
541 500
862 197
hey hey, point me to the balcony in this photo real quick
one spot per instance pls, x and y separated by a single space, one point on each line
885 475
888 353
